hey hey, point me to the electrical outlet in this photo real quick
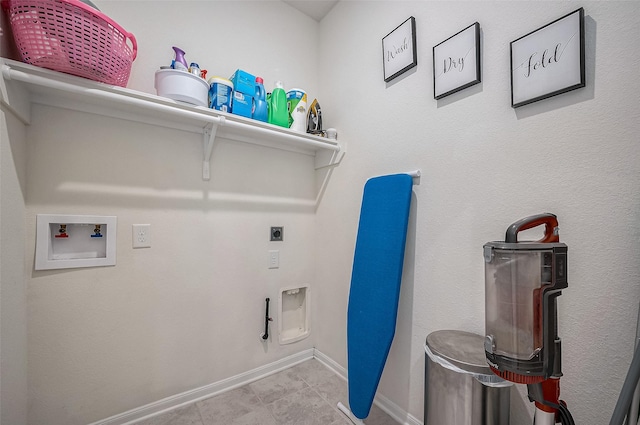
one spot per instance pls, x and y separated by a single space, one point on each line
277 234
274 259
141 235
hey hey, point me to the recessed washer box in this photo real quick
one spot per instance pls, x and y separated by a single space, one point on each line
70 241
295 314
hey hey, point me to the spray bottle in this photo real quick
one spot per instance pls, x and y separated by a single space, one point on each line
180 62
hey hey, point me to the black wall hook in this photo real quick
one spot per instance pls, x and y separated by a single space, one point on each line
267 319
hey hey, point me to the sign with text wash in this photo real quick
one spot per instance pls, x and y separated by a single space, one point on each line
399 50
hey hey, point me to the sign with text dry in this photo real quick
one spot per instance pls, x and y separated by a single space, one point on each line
456 62
399 50
548 61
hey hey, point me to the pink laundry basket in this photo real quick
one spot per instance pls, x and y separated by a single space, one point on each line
72 37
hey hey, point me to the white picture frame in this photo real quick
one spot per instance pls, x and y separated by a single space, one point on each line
399 50
548 61
456 62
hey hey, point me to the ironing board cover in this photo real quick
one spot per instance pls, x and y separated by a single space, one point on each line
375 284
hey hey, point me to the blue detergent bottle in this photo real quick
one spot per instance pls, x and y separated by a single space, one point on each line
259 102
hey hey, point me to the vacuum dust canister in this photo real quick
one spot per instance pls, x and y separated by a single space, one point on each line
522 283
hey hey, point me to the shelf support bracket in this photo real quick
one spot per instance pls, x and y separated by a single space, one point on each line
209 138
16 103
328 159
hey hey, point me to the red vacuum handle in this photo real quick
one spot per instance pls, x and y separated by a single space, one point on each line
550 232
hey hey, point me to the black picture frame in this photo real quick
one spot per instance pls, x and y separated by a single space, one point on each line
548 61
451 58
399 50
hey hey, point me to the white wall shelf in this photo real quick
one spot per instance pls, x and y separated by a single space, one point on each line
23 84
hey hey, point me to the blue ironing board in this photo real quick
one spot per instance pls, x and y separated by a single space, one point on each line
375 284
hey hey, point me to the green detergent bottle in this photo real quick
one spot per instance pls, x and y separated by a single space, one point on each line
278 113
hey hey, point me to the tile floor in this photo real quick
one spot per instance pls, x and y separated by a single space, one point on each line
305 394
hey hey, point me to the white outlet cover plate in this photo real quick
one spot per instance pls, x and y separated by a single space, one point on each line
141 235
274 259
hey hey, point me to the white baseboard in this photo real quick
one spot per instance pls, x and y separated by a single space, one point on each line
152 409
330 363
395 411
389 407
161 406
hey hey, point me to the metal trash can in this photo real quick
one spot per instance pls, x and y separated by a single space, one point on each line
460 388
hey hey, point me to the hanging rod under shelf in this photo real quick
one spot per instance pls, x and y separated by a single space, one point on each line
12 74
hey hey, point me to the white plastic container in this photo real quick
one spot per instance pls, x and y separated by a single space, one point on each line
182 86
220 94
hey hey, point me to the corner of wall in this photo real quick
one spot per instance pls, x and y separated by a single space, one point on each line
13 324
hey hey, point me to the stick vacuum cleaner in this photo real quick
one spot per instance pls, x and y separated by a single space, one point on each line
522 283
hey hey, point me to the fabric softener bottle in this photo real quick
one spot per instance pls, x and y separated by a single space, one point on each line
260 102
278 113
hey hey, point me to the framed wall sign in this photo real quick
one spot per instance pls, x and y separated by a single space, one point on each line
548 61
456 62
399 50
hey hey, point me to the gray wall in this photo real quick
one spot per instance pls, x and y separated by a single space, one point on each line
485 165
187 312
